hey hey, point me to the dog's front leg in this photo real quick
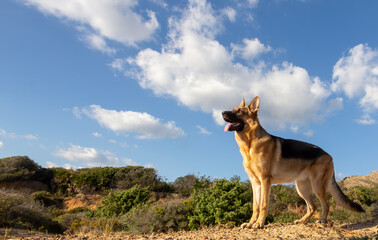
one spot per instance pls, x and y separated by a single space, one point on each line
263 203
256 189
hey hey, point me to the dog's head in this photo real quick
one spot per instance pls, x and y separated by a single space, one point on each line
242 117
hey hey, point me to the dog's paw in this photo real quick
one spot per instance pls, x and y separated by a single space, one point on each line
258 225
298 222
246 225
321 221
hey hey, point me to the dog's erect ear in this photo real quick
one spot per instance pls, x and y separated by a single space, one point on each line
254 105
242 104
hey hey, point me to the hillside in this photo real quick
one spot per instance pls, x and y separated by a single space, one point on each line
370 180
136 203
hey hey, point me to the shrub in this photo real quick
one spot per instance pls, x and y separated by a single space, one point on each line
185 185
47 199
68 219
20 212
364 195
285 204
94 179
96 226
158 217
342 215
130 176
23 168
223 202
43 175
117 203
202 183
62 182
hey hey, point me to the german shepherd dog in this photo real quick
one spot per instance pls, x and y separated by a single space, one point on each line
268 159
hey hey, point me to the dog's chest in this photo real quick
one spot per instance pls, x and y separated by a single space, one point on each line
258 156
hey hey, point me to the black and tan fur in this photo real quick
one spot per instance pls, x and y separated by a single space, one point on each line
268 159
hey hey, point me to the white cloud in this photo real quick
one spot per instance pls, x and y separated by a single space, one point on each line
203 131
5 134
230 13
65 166
90 157
1 144
366 119
309 133
76 112
294 129
51 165
369 102
117 64
99 19
96 134
356 74
69 166
340 176
149 165
144 124
334 104
30 137
253 3
97 42
200 73
251 48
130 162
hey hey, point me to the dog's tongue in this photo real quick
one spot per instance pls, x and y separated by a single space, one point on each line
227 127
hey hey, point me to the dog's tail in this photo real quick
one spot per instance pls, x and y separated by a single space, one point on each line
340 197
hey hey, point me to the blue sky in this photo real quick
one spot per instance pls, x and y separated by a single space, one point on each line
115 83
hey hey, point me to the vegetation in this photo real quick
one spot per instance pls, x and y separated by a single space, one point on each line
23 212
23 168
225 201
119 203
158 217
137 200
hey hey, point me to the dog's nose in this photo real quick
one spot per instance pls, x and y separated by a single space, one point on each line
225 114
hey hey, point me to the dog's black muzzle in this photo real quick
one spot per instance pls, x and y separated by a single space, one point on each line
235 123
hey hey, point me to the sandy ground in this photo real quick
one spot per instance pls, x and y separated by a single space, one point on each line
367 230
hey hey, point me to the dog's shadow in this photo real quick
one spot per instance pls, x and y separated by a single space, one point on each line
366 224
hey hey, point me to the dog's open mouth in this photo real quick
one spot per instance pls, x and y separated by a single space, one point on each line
234 123
235 126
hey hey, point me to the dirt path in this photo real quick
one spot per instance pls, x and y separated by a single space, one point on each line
368 230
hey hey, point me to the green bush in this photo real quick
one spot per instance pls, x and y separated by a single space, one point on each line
21 212
62 182
283 198
130 176
185 185
94 179
223 202
47 199
158 217
118 203
342 215
364 195
79 223
23 168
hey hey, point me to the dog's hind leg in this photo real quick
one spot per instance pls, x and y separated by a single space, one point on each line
305 191
321 194
320 177
319 185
